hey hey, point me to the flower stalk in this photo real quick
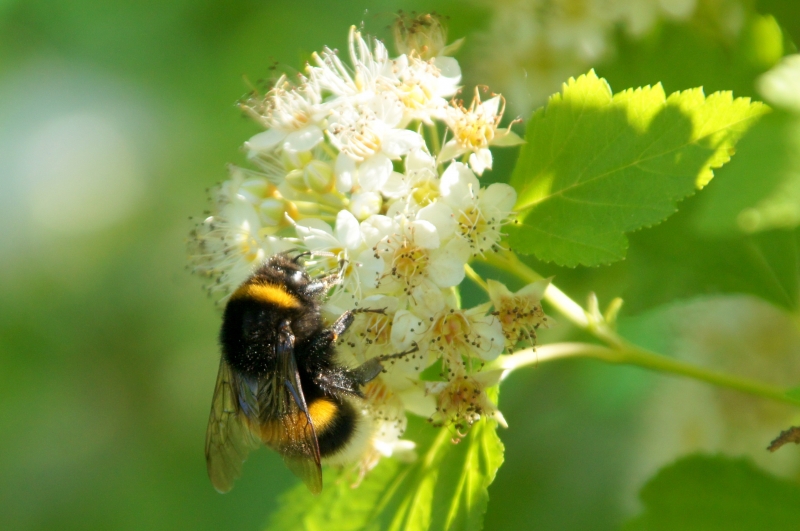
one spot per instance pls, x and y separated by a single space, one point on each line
618 351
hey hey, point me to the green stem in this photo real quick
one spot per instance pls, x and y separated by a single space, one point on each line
476 278
436 146
620 351
329 150
640 358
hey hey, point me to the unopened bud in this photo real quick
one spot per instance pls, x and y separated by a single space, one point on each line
272 211
319 176
254 189
365 204
424 35
293 160
296 179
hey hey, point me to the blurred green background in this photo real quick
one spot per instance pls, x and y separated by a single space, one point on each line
115 116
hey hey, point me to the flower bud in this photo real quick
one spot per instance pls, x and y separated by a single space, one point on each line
424 34
272 211
318 176
296 179
293 160
365 204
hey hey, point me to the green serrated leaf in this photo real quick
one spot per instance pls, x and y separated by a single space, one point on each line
598 165
445 489
706 493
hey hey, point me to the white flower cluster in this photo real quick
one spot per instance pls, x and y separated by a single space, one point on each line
357 164
534 45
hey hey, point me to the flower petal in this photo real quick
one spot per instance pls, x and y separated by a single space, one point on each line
370 269
374 172
398 142
458 185
396 186
481 160
407 329
304 140
424 234
348 230
498 196
365 204
375 228
446 267
346 173
441 216
264 141
507 138
450 150
491 106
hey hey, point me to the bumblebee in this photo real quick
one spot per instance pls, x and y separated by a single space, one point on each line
279 383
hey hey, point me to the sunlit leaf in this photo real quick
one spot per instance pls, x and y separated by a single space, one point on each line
445 489
707 493
598 165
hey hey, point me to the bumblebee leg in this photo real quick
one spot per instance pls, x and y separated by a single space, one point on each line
370 369
297 258
340 379
323 284
344 321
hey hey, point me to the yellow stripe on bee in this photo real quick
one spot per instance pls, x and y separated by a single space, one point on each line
269 293
322 412
285 431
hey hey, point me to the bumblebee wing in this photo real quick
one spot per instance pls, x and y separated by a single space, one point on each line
228 438
285 420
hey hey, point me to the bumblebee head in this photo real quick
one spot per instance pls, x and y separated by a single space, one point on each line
291 269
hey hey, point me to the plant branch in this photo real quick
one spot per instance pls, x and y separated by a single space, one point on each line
640 358
619 350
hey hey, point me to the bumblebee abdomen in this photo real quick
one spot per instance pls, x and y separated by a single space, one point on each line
336 426
335 422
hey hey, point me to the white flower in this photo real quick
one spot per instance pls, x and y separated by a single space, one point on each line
423 35
520 314
365 204
371 332
369 67
362 268
423 88
389 424
362 193
475 129
229 245
441 330
292 116
463 401
456 334
368 139
414 256
419 185
479 213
